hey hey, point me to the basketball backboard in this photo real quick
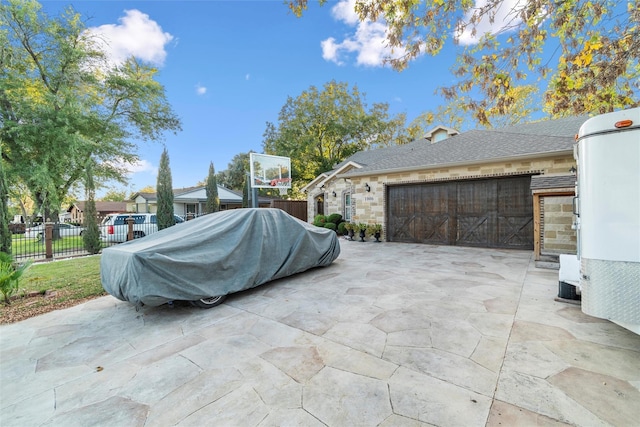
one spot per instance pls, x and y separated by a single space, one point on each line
270 171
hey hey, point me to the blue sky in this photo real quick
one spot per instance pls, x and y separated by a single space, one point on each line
229 66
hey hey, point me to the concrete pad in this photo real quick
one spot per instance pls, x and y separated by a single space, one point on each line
388 335
340 398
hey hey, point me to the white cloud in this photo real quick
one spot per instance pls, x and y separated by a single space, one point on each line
504 21
369 42
200 90
140 166
345 11
136 35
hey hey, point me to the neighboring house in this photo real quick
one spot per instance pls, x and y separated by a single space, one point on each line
478 188
75 213
190 202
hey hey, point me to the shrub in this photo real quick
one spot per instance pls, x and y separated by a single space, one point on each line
342 228
319 220
330 226
9 275
334 218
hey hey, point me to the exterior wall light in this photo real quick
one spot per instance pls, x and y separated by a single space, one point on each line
334 194
366 187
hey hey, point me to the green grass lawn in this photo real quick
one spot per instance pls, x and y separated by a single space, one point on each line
77 277
69 281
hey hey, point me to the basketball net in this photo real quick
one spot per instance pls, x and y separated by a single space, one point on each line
283 191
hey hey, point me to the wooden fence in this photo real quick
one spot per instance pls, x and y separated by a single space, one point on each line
297 208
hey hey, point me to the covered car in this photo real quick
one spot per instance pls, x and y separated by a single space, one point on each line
204 259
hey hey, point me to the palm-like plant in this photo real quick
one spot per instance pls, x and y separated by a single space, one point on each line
9 275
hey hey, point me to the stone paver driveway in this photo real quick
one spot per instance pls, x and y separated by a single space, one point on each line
389 335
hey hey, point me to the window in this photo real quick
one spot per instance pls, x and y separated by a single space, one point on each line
347 207
122 219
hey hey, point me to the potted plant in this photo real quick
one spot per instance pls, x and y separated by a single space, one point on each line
376 231
363 230
351 228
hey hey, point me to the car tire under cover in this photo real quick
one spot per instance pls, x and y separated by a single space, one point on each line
209 302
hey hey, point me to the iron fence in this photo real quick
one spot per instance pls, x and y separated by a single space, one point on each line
63 240
48 241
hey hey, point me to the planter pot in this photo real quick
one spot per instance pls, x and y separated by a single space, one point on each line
351 233
377 236
362 234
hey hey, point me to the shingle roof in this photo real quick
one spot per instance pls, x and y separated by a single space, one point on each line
104 206
476 146
539 182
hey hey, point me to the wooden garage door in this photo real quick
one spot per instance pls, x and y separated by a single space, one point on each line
493 213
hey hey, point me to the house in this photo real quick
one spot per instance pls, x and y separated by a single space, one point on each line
75 212
190 202
501 188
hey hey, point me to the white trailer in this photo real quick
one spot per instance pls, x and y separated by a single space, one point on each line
607 212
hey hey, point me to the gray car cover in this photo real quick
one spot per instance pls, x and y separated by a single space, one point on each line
216 254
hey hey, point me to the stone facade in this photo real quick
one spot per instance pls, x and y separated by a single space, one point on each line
558 236
369 206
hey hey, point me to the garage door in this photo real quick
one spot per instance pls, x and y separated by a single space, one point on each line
493 213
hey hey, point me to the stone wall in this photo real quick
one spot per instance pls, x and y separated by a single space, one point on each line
369 206
557 235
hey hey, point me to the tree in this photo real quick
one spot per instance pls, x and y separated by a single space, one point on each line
62 104
115 196
583 53
235 175
245 193
456 115
319 129
164 191
5 233
91 233
213 201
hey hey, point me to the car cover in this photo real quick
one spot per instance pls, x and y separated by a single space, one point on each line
216 254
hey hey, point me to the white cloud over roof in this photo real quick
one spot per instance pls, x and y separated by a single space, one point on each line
368 42
504 20
136 35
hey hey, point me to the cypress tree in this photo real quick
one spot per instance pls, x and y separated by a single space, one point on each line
164 193
245 193
5 233
213 201
91 233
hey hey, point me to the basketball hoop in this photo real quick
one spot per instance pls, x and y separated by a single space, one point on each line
283 191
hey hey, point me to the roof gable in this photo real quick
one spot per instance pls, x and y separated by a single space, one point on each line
224 194
440 129
315 181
